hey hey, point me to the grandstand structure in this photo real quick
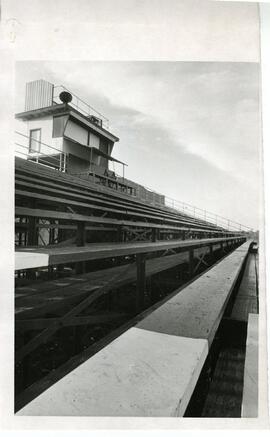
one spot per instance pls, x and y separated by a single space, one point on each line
110 273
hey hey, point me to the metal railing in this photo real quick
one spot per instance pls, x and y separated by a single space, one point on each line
53 158
206 216
80 105
197 213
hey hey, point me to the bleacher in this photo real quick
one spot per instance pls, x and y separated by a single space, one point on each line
64 200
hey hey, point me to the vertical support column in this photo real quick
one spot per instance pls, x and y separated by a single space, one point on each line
221 247
211 252
141 281
50 272
154 235
81 234
191 261
32 232
119 234
51 232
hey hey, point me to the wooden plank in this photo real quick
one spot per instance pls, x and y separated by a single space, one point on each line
250 391
226 387
60 255
139 374
68 179
246 299
76 182
49 331
30 260
42 213
39 324
90 198
197 310
124 212
37 298
52 295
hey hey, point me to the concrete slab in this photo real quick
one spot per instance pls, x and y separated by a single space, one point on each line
30 260
250 391
141 373
196 311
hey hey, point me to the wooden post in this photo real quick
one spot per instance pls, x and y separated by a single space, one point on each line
32 232
191 261
81 234
211 252
119 233
140 261
154 235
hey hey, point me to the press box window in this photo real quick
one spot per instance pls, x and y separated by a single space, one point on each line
34 142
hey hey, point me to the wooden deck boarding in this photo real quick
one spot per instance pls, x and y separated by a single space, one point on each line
247 296
57 255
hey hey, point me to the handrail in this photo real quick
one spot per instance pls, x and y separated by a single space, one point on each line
39 157
205 216
90 110
40 142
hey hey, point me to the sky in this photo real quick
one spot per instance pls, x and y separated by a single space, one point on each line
190 130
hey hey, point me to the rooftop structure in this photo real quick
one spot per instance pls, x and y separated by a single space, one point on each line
65 131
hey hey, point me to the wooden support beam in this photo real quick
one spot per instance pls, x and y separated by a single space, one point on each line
154 234
38 324
32 232
81 234
201 261
191 261
58 255
48 332
141 281
119 233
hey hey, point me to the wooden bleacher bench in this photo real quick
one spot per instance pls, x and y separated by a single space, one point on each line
44 176
69 198
39 296
70 254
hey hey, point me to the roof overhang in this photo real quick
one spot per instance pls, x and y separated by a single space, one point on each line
42 112
97 151
75 115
